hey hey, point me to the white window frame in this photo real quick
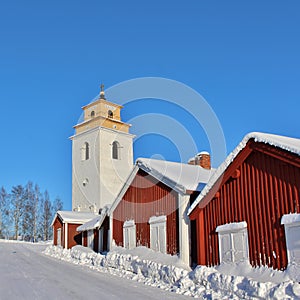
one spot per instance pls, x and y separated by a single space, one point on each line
58 236
90 238
129 234
291 224
158 233
231 234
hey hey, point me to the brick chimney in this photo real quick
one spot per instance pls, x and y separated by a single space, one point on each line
202 159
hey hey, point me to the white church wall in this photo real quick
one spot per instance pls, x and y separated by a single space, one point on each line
85 173
115 171
98 180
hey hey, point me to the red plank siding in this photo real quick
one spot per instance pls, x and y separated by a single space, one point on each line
267 187
96 240
146 198
74 238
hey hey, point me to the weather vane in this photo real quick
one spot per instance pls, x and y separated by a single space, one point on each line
102 95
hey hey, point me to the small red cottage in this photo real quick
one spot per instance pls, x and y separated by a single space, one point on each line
151 208
64 227
95 232
249 209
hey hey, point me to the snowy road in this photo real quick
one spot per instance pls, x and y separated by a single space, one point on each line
26 273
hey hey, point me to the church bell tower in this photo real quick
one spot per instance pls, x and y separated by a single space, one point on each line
102 155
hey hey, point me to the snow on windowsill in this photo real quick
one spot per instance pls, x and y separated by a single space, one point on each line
231 226
290 219
128 223
157 219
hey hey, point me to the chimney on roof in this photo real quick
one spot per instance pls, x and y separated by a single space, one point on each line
202 159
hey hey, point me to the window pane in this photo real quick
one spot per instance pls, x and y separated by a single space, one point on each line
293 244
225 248
162 238
132 237
129 235
239 244
87 151
153 238
115 150
158 236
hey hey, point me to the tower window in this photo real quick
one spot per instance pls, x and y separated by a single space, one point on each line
115 150
85 151
93 114
110 114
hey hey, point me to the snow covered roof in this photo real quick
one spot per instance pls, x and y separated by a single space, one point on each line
95 222
74 217
286 143
180 177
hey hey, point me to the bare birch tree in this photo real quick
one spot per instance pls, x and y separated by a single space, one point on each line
4 214
46 217
17 198
35 216
57 205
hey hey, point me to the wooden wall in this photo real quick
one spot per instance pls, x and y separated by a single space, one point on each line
263 187
74 237
146 198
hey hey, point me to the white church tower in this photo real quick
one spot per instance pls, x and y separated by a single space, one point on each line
102 155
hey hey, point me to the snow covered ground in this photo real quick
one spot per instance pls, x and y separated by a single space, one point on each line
27 273
168 273
41 271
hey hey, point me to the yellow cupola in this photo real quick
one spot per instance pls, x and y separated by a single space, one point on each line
102 113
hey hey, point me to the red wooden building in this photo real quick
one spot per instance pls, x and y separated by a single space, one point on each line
95 232
249 209
64 227
151 208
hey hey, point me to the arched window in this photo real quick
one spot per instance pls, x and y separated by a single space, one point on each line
115 150
85 151
110 114
92 114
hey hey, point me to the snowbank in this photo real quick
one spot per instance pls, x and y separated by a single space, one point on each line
49 242
167 272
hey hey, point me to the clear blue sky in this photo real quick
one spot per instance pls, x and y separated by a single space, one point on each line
242 57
